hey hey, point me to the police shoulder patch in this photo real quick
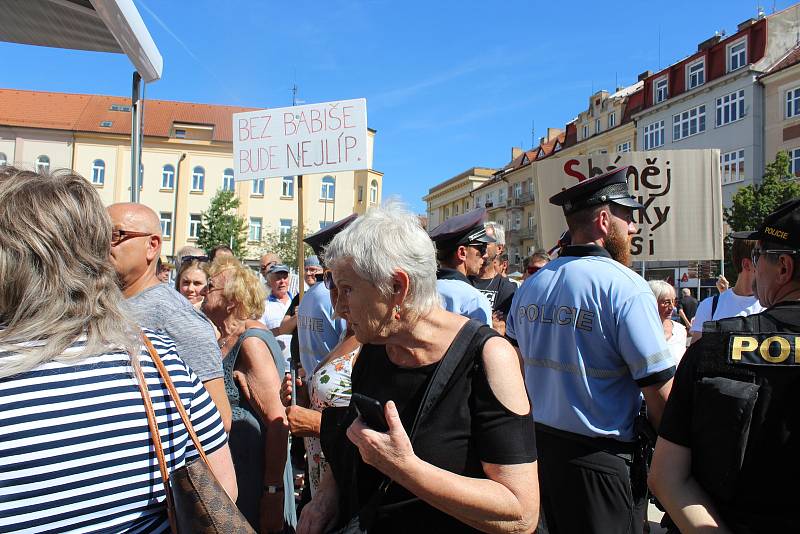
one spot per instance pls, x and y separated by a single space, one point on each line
764 349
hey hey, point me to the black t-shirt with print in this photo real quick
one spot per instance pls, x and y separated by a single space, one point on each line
499 290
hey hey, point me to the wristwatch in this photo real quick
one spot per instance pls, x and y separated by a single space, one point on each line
272 490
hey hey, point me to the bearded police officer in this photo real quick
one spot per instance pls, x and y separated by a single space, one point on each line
592 343
461 245
728 452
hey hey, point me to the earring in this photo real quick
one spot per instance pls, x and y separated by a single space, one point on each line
396 311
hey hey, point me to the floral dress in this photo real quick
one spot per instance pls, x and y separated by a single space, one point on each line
330 386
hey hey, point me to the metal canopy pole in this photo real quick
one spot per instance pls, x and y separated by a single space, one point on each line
137 104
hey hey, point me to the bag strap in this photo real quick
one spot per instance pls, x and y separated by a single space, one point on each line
155 437
714 302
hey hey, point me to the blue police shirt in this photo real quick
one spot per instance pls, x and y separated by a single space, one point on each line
317 331
461 297
590 336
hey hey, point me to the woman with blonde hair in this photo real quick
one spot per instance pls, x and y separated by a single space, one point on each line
76 447
253 367
190 281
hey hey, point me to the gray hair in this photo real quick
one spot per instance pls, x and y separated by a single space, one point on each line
386 239
499 231
188 250
56 281
660 288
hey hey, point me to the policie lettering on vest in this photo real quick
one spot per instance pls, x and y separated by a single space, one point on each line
764 349
558 315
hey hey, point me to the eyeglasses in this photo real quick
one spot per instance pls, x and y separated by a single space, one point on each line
328 280
267 266
118 236
201 259
480 247
758 252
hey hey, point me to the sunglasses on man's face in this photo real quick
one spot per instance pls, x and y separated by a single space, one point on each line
118 236
201 259
758 252
480 247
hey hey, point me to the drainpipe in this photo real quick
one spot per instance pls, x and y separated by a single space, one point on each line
175 205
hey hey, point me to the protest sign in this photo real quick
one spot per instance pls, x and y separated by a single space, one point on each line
680 190
308 139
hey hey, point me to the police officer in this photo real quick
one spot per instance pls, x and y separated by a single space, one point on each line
592 343
728 452
461 244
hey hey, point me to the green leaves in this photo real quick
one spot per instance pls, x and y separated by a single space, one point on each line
221 225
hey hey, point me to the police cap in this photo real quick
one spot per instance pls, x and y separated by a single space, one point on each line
611 187
461 230
780 226
319 240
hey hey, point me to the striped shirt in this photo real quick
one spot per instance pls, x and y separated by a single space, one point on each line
75 449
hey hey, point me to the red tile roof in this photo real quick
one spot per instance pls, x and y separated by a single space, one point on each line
85 113
791 58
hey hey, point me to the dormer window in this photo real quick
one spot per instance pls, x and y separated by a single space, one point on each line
695 74
180 134
737 55
660 90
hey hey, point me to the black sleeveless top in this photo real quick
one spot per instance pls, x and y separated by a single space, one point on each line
469 425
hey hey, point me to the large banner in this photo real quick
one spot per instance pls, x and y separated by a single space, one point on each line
309 139
680 190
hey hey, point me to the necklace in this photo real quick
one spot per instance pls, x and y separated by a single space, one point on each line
225 343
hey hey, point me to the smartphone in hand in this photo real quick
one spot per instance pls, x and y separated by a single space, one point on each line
371 411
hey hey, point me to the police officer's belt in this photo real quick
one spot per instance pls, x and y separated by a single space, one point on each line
609 445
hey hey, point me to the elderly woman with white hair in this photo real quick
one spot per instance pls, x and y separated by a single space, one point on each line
674 333
458 452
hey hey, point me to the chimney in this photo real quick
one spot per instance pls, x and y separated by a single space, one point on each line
645 74
516 152
708 43
745 24
552 133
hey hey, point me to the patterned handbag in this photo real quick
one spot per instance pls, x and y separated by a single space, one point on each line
196 501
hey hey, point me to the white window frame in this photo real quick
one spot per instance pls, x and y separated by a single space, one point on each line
98 172
228 180
660 92
741 55
792 103
653 135
624 147
254 229
612 120
327 188
731 174
530 221
585 131
597 128
373 192
732 103
42 163
695 77
168 177
518 190
257 187
3 159
287 187
165 219
195 220
794 161
198 179
285 229
688 123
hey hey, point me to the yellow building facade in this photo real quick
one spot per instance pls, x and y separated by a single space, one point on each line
782 110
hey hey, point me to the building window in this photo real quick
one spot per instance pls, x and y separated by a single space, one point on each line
624 147
466 205
654 135
254 232
361 193
180 134
168 177
324 224
690 122
478 202
612 120
660 90
501 195
228 183
695 74
530 221
42 164
585 131
794 161
597 126
517 221
287 187
3 159
730 107
198 179
732 167
258 187
328 189
446 212
792 103
286 227
455 208
373 192
166 224
98 172
194 225
518 190
737 55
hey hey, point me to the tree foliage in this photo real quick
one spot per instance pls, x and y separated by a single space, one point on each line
221 224
284 244
754 202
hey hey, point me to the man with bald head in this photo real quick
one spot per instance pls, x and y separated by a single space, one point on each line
135 250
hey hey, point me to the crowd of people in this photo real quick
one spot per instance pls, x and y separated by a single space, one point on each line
416 385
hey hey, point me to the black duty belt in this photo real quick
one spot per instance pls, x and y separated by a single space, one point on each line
609 445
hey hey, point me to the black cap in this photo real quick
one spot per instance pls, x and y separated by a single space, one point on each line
319 240
461 230
780 226
609 187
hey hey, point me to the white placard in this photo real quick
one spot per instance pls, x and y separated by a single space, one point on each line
308 139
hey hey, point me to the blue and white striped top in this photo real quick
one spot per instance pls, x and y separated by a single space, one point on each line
75 450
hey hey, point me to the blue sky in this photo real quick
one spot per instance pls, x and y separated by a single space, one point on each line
449 84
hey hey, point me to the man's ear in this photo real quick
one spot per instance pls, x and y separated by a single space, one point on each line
603 221
787 266
461 253
153 247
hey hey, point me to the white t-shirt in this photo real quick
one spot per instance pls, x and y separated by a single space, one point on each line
677 342
729 305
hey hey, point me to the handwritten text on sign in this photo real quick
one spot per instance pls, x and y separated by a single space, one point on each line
309 139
